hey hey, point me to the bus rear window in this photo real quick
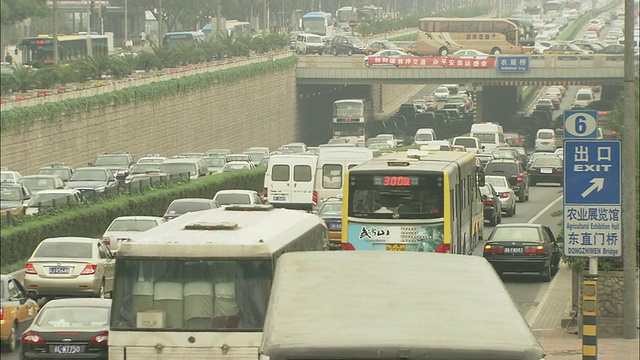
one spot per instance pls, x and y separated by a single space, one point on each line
396 196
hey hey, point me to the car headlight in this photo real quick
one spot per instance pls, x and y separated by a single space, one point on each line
99 189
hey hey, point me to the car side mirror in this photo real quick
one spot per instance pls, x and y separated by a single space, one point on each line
33 295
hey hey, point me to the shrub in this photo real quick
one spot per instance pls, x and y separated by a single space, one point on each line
7 84
147 61
79 71
24 78
119 67
49 77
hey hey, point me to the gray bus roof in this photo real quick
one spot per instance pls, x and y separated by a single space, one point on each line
258 234
375 305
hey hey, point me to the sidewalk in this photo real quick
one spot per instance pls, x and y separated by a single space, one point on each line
559 344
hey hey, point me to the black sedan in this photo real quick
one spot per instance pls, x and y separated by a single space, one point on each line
547 170
69 328
523 248
491 203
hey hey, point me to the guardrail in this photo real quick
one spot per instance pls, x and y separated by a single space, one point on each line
106 85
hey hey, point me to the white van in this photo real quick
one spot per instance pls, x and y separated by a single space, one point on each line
491 135
424 136
585 94
289 181
545 140
333 163
309 44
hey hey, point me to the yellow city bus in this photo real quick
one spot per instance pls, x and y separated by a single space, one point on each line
414 201
38 51
444 36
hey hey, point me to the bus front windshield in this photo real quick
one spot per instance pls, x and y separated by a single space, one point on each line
188 295
314 26
348 129
396 196
348 110
527 33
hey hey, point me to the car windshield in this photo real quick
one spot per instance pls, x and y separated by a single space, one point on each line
151 161
10 194
76 317
331 209
501 168
503 154
548 161
583 96
255 156
112 160
488 138
243 157
89 175
423 137
497 181
214 161
178 168
217 294
227 199
512 233
232 167
132 225
63 174
144 168
44 199
545 135
184 207
59 249
38 184
467 143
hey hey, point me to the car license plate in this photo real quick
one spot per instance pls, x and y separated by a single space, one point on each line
58 270
335 226
395 247
67 349
545 143
546 171
279 198
513 250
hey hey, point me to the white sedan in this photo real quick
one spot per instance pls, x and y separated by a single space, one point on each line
386 53
469 54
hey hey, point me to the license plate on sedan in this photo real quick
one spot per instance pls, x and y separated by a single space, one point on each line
513 250
546 171
59 270
67 349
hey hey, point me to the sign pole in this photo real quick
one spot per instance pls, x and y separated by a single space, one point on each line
590 317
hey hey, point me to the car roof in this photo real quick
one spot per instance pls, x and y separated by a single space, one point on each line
237 191
82 302
137 218
58 191
237 163
93 168
512 161
181 160
71 239
192 200
41 176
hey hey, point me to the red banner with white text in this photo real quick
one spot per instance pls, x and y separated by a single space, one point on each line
417 61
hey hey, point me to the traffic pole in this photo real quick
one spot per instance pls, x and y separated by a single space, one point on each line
589 312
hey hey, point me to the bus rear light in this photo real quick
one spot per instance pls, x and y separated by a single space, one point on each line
314 197
559 171
347 246
265 192
444 248
1 313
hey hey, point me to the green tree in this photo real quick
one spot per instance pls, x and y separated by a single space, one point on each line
24 78
15 11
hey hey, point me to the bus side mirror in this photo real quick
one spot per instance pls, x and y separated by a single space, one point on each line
481 180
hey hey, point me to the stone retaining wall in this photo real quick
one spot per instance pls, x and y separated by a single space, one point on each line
610 303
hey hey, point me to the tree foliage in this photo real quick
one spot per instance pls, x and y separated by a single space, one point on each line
15 11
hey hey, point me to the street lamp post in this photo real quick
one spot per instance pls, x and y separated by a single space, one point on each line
126 19
56 55
89 44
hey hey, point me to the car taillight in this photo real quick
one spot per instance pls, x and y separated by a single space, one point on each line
602 112
31 338
520 178
517 141
106 240
444 248
314 197
539 249
29 269
504 195
265 192
493 249
488 202
347 246
100 339
89 270
1 313
559 171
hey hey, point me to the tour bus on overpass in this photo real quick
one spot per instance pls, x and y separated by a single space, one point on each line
350 117
367 305
425 201
444 36
197 287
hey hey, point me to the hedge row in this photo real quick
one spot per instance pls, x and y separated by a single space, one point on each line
18 242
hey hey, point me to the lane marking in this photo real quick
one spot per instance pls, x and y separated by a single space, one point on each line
546 208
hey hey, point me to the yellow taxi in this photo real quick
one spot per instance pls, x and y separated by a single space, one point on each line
17 310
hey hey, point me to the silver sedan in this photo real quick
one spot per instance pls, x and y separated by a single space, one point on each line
505 193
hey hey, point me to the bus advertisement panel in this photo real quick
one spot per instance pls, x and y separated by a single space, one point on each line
443 36
350 117
399 203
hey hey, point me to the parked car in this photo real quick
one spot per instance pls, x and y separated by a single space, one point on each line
123 228
70 266
523 248
182 206
47 200
547 169
18 310
505 193
69 329
514 171
240 197
491 204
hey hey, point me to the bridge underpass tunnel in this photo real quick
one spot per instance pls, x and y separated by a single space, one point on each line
497 103
315 109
